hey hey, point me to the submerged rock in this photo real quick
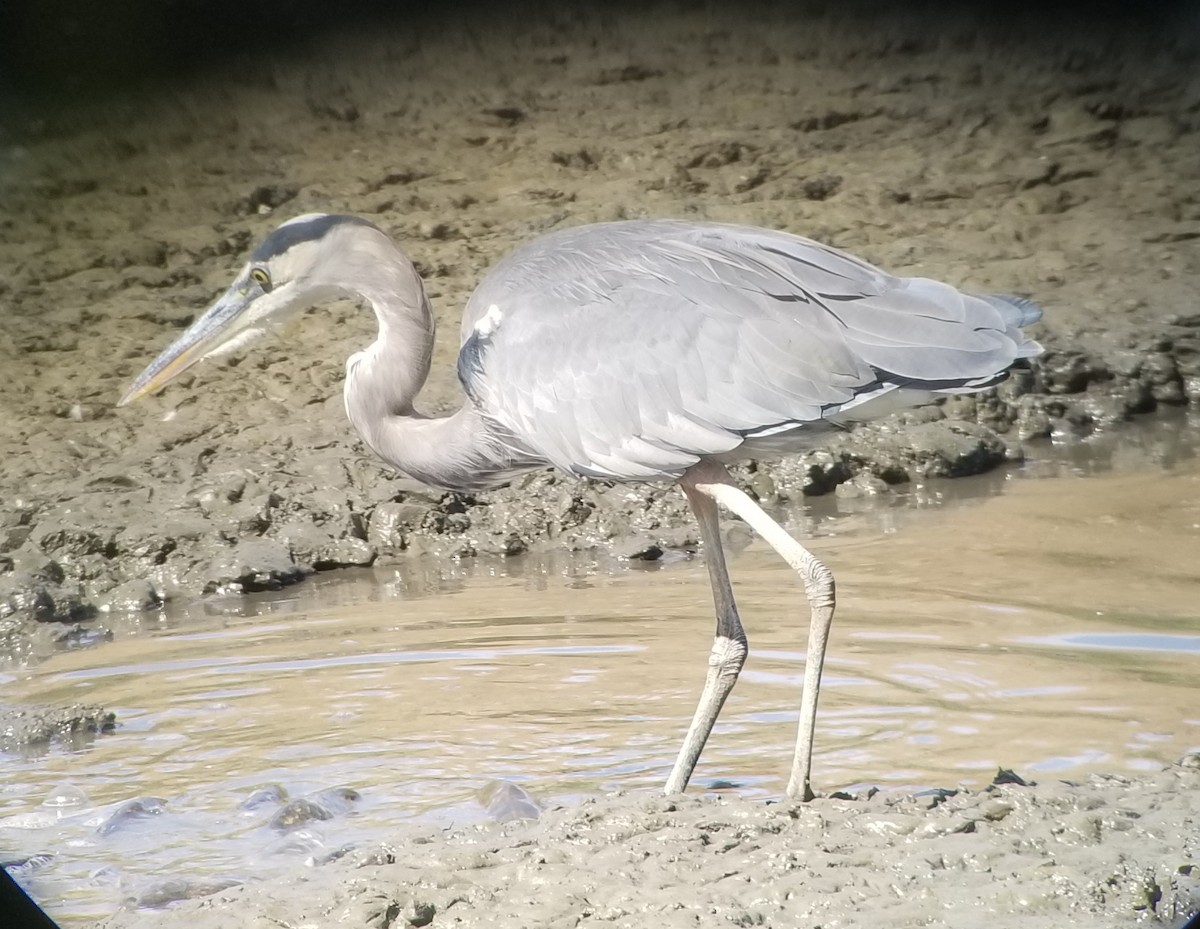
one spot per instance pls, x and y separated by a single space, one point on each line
507 802
271 795
318 807
298 813
131 811
171 891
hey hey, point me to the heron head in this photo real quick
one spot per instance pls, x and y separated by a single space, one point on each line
301 263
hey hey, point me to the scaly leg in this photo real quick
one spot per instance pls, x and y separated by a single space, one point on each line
714 481
729 646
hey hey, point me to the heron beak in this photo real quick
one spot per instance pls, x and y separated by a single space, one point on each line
220 323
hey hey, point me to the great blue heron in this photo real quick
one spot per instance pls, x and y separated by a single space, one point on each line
633 351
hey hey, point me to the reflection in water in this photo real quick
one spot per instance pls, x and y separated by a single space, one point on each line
1128 642
1053 629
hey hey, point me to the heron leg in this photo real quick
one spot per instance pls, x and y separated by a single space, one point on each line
714 481
729 645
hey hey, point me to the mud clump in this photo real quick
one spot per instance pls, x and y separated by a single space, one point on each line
34 729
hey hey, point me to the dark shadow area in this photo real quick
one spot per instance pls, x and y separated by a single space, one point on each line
18 907
55 49
67 46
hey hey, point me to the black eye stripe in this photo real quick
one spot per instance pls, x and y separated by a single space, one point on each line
308 230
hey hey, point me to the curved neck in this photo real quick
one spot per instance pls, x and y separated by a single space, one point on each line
385 379
458 451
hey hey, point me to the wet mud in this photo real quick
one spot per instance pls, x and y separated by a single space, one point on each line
1060 640
1109 851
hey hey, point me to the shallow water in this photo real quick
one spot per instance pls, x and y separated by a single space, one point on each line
1049 626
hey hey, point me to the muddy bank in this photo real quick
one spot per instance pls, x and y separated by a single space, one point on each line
33 730
1060 639
998 156
1108 852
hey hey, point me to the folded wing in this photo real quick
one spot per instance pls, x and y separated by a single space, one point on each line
631 350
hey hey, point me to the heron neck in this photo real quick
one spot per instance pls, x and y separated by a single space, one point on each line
401 353
383 380
382 384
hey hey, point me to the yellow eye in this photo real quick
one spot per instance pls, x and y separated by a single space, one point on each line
261 278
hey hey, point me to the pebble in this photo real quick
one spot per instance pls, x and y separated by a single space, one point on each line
994 810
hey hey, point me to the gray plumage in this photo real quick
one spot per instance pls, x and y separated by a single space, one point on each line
633 351
630 350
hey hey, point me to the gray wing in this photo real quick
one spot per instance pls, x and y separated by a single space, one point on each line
630 350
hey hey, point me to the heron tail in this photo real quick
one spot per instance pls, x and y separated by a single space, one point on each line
1018 311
